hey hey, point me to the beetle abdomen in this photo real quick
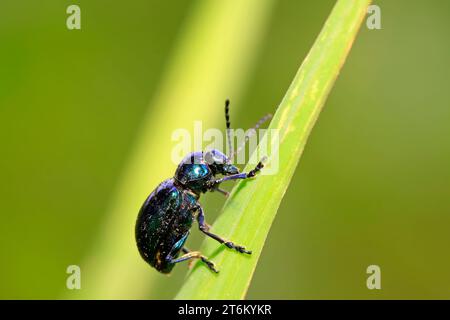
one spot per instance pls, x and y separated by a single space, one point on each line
164 219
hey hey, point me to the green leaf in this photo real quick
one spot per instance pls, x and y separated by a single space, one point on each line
252 206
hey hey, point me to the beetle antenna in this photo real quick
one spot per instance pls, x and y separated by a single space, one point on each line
250 132
228 124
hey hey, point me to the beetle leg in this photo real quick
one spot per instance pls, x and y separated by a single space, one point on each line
243 175
186 250
195 255
224 192
203 226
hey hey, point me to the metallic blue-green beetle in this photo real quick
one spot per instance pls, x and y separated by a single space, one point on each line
167 215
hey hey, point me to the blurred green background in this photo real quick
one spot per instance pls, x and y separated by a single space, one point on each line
373 186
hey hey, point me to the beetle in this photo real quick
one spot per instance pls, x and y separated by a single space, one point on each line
167 215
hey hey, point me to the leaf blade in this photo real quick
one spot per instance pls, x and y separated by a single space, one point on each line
252 206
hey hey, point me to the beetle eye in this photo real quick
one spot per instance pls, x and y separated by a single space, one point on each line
198 171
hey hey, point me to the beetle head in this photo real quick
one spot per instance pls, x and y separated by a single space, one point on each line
219 163
193 172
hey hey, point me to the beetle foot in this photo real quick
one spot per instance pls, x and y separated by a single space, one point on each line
240 249
257 169
211 265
